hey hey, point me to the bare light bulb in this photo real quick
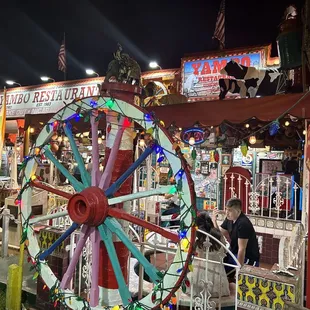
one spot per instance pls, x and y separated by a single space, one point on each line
287 123
31 130
252 140
142 143
99 141
191 141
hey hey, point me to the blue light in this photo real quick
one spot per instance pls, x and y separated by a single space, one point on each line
160 159
158 149
147 117
93 103
182 234
180 173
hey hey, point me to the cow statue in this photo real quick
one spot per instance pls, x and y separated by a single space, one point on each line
123 68
243 88
257 82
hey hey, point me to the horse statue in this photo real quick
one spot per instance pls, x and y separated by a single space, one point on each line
123 68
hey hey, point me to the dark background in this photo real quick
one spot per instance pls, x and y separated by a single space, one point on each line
31 32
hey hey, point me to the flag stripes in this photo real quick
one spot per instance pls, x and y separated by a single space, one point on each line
219 32
62 63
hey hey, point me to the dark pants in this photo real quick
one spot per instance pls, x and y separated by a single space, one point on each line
230 271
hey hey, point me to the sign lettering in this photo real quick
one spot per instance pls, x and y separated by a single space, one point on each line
49 98
200 77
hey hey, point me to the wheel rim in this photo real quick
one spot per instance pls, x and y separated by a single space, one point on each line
176 274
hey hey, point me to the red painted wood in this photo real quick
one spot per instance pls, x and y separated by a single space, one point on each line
88 207
120 214
51 189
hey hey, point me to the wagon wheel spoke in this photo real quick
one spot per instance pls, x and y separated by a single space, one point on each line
139 195
106 237
84 174
95 148
84 234
150 269
107 174
95 245
50 189
78 186
38 219
118 183
122 215
58 242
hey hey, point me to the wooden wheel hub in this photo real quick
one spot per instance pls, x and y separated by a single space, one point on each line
88 207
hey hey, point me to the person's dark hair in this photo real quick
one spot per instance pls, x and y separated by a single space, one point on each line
235 203
204 223
291 167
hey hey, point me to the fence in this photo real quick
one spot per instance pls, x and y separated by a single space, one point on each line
277 196
160 252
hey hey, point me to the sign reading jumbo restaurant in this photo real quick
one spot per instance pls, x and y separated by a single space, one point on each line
47 98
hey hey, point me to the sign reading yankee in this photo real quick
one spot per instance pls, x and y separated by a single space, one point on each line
48 98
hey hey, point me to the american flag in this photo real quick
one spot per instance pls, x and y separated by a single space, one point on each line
219 32
62 63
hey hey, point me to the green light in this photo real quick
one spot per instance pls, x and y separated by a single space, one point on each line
110 103
172 190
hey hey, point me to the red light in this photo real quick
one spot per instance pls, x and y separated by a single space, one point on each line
127 122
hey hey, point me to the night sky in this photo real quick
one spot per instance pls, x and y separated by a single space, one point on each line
164 30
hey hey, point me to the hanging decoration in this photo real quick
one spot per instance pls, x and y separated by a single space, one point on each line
216 156
194 135
194 154
274 128
244 149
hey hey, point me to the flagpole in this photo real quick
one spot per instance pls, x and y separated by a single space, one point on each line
2 124
65 71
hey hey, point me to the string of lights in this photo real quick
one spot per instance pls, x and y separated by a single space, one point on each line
57 295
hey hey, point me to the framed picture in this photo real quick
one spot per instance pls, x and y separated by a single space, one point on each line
226 160
205 168
270 166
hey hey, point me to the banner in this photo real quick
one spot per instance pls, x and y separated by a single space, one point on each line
200 76
47 98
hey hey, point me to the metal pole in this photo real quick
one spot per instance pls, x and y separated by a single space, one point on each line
5 232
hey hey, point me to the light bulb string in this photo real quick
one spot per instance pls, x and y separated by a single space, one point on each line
279 117
184 228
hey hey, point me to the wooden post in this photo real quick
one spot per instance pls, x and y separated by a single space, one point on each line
14 288
27 141
5 232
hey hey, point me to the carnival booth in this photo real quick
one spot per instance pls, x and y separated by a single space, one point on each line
102 244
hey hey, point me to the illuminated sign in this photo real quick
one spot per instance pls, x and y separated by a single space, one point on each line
47 98
200 76
194 135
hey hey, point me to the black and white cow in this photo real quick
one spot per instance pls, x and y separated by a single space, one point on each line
236 87
260 82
